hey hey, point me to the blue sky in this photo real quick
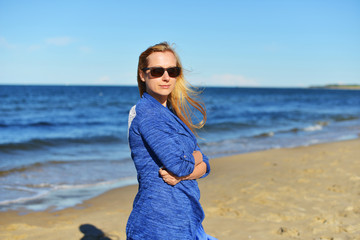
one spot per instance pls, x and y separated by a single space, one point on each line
260 43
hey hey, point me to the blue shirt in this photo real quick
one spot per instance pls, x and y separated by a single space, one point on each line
158 138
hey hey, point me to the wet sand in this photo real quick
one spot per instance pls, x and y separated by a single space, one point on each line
300 193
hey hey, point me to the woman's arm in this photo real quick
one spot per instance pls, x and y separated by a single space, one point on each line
199 171
163 141
198 157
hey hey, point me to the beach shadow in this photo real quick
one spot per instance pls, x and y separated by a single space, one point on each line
92 233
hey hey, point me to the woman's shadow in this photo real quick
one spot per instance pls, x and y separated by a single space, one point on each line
92 233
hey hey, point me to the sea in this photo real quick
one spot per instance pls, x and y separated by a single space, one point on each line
62 145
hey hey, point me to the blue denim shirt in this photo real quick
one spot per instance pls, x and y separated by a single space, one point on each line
158 138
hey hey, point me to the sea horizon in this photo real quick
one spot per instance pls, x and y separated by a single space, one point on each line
135 85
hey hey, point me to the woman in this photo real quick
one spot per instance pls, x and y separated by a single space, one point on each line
165 152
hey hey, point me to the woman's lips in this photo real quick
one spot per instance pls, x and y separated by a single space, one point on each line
165 86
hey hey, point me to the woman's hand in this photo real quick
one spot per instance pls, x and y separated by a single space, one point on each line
168 177
199 170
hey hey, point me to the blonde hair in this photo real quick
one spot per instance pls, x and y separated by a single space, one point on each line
183 97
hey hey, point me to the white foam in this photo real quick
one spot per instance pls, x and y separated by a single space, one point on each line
39 194
316 127
270 134
64 196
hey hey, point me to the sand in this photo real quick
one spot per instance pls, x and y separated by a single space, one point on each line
300 193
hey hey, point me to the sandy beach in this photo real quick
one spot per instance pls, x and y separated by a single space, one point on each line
297 193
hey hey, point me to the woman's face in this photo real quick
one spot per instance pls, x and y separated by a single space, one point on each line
159 87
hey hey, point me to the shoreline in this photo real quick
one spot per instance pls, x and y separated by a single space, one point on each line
337 88
302 192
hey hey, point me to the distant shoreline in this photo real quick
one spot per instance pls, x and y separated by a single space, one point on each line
337 86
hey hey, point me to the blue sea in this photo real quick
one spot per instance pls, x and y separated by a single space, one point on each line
61 145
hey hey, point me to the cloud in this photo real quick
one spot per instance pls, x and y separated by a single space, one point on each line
4 43
59 41
85 49
231 81
33 48
104 79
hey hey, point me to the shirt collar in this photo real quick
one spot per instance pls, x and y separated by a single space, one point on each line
152 99
157 104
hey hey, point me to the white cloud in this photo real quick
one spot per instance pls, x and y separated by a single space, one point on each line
4 43
85 49
231 81
33 48
104 79
59 41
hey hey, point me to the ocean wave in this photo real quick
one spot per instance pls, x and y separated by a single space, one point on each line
266 134
36 194
45 195
312 128
316 127
227 125
343 118
51 124
34 144
36 166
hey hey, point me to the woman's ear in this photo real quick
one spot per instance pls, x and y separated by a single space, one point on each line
142 76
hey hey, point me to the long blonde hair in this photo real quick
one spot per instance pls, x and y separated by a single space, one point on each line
183 96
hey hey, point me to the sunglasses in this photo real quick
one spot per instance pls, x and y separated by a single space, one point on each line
159 71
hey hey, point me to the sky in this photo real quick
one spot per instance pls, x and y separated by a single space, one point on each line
242 43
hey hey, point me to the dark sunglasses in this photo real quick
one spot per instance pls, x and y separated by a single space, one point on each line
159 71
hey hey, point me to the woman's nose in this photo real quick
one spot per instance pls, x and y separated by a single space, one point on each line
166 76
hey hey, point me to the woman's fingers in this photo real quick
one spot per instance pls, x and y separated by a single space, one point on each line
163 172
168 178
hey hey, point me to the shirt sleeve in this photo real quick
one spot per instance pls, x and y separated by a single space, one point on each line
163 140
205 160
